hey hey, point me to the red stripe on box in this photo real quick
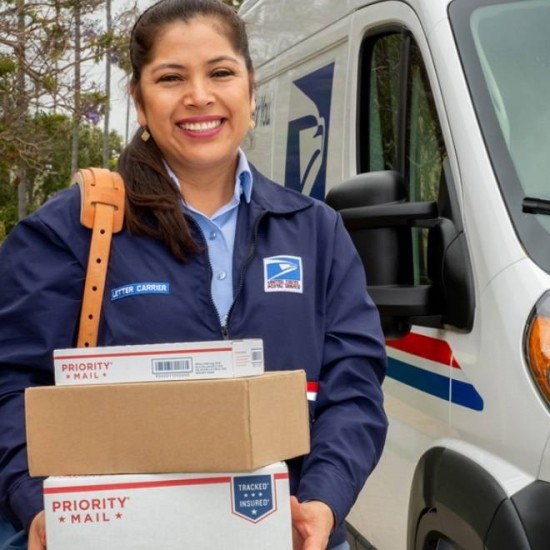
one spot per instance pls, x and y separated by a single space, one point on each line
136 485
139 353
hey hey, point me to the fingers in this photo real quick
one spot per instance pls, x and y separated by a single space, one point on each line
296 510
37 533
311 524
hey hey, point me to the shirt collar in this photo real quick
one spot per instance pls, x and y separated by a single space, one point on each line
243 178
243 175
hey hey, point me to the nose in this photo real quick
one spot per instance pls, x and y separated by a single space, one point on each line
198 93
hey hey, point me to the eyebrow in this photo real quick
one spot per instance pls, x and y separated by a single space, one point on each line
178 66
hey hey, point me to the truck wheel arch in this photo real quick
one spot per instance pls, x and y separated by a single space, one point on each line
454 499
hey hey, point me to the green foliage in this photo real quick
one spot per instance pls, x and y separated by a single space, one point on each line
43 96
53 173
8 202
56 41
7 65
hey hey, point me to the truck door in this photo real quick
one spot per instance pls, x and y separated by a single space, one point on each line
401 126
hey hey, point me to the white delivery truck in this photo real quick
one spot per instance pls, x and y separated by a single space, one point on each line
426 123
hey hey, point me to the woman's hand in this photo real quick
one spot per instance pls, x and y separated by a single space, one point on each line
37 533
312 523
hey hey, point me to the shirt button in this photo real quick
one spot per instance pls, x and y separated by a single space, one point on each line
212 235
222 275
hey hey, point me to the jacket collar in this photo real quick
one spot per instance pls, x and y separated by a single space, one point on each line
274 198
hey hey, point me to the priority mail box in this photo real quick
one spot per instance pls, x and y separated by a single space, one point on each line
248 511
227 425
181 361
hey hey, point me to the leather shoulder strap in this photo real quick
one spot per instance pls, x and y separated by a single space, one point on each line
102 211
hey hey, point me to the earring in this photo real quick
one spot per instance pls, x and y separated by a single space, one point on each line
252 124
145 135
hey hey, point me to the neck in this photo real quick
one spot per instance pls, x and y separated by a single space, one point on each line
207 192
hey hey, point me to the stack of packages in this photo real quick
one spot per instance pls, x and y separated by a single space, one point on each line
167 446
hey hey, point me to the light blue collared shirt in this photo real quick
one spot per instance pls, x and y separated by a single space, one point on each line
219 234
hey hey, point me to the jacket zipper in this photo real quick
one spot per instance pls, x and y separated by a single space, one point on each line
210 270
225 327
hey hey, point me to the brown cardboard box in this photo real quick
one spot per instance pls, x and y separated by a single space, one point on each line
224 425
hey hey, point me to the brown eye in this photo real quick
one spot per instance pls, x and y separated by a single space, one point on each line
169 78
222 73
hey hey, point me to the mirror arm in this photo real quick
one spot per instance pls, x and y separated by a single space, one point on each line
390 215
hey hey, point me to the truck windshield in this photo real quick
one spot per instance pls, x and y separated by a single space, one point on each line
505 50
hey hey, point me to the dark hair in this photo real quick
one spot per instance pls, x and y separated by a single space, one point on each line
152 199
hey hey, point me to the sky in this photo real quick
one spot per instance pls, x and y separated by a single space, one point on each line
122 116
122 109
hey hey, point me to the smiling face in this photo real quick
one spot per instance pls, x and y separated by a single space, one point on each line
195 96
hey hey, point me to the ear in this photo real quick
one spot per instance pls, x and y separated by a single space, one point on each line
140 114
252 88
253 104
138 105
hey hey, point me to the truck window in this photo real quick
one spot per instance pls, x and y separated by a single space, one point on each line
383 104
505 52
398 127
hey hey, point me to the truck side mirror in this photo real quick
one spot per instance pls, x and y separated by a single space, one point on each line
376 213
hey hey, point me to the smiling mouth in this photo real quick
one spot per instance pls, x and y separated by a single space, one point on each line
200 126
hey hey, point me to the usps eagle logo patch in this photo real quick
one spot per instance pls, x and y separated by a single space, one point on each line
253 497
283 274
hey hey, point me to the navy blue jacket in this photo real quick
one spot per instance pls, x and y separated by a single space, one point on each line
327 325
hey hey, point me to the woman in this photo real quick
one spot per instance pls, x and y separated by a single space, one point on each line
203 220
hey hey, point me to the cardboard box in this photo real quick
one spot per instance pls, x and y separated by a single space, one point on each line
230 425
181 361
170 511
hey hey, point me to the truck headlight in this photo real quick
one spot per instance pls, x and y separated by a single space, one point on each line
537 345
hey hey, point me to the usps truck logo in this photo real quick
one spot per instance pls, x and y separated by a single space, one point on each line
139 289
253 497
283 274
308 131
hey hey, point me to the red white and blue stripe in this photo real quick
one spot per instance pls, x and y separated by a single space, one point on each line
446 381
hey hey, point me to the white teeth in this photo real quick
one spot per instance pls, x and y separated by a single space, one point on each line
200 126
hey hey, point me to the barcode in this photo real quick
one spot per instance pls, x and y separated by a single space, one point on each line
183 364
257 355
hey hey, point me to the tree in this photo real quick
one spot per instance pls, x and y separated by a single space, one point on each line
54 173
108 59
43 46
47 99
